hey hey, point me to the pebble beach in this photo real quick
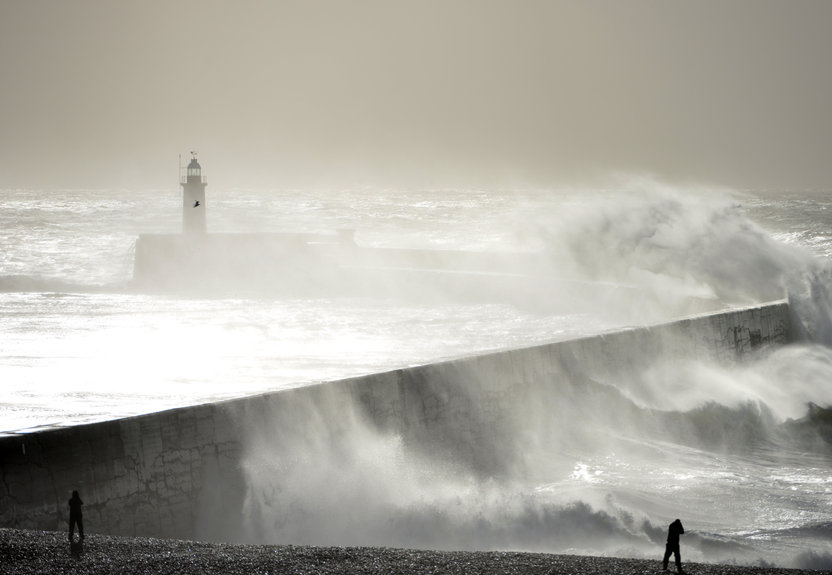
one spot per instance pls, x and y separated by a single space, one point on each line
45 552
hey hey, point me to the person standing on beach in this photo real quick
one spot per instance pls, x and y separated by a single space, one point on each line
75 516
673 533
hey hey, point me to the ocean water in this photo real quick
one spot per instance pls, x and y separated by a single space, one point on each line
79 344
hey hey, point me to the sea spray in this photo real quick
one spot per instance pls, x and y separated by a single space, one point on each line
584 459
607 443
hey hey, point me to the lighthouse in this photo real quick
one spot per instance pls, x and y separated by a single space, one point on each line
193 198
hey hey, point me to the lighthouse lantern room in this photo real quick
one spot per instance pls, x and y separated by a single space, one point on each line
193 198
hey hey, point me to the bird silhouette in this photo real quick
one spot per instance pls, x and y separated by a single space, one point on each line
196 203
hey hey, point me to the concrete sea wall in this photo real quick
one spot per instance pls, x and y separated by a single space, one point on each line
327 264
182 473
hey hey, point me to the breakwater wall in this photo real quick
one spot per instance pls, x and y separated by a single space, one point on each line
187 472
330 264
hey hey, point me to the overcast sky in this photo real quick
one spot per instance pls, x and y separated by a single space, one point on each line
415 92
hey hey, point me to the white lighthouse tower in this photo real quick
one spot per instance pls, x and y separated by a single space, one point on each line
193 198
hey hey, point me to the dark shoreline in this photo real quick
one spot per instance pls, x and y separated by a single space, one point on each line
42 552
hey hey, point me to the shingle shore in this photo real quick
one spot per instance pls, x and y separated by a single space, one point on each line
44 552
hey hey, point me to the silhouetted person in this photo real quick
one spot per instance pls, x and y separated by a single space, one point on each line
673 533
75 516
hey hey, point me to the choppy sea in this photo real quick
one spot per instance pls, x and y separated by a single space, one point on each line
79 344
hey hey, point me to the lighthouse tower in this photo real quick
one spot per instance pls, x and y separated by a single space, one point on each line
193 198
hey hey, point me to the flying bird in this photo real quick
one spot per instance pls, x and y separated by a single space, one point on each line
196 203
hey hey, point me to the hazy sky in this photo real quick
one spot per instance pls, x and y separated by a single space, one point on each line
422 92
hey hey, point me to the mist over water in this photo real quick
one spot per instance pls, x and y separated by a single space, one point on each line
580 465
584 463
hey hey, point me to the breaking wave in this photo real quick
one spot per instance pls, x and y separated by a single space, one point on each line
580 464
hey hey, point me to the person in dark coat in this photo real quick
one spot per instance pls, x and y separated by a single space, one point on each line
75 516
673 533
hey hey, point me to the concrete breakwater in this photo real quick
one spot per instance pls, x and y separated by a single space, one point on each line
323 264
186 472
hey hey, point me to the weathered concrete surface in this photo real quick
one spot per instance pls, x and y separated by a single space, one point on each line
181 473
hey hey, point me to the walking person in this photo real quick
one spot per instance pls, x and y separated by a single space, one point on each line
75 516
673 533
